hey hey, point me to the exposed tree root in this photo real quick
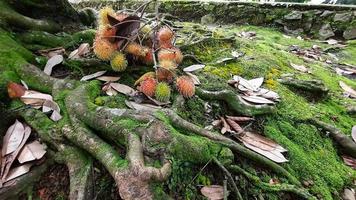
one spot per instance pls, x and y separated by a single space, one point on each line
235 102
345 142
272 188
314 86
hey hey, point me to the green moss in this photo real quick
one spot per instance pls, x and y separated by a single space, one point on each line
312 155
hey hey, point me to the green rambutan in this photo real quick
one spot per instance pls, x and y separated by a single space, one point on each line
185 86
163 92
118 62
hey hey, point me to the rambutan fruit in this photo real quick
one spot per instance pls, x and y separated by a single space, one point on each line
136 49
145 76
165 34
167 64
165 44
163 74
103 15
15 90
103 48
118 62
107 32
148 58
163 92
170 54
185 86
148 86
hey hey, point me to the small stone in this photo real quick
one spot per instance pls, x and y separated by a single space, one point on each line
327 13
350 33
326 32
294 15
293 32
348 194
343 17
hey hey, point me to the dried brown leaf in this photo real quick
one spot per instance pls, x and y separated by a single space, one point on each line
32 151
234 125
353 133
18 171
261 142
194 78
300 68
142 107
257 100
124 89
108 78
213 192
193 68
13 138
52 52
81 51
240 119
349 161
225 126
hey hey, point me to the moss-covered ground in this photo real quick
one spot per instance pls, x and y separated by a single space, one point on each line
313 157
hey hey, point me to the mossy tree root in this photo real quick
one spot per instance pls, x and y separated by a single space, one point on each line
299 191
345 142
235 102
314 86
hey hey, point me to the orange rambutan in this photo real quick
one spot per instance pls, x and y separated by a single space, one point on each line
170 54
165 44
103 48
163 74
165 34
136 49
107 32
148 86
15 90
148 58
167 64
185 86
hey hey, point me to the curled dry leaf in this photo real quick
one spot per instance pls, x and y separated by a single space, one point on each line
235 126
257 100
240 119
81 51
53 61
92 76
348 90
213 192
193 68
52 106
32 151
274 155
225 126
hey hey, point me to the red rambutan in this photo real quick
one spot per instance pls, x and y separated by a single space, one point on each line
165 34
170 54
185 86
164 75
136 49
148 86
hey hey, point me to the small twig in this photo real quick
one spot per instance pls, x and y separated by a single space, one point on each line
230 178
200 171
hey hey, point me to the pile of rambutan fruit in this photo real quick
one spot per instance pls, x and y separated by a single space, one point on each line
121 36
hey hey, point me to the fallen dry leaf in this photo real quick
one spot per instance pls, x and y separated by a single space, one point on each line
225 126
349 161
108 78
32 151
213 192
234 125
53 61
13 138
348 90
48 106
300 68
124 89
240 119
141 107
257 100
81 51
52 52
274 155
193 68
92 76
24 84
18 171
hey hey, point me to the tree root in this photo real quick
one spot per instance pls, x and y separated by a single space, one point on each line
234 102
345 142
314 86
273 188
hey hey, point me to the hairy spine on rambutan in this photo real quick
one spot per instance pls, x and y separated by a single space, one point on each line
167 64
103 15
136 49
148 86
165 34
103 48
163 92
164 75
118 62
185 86
148 58
170 54
145 76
